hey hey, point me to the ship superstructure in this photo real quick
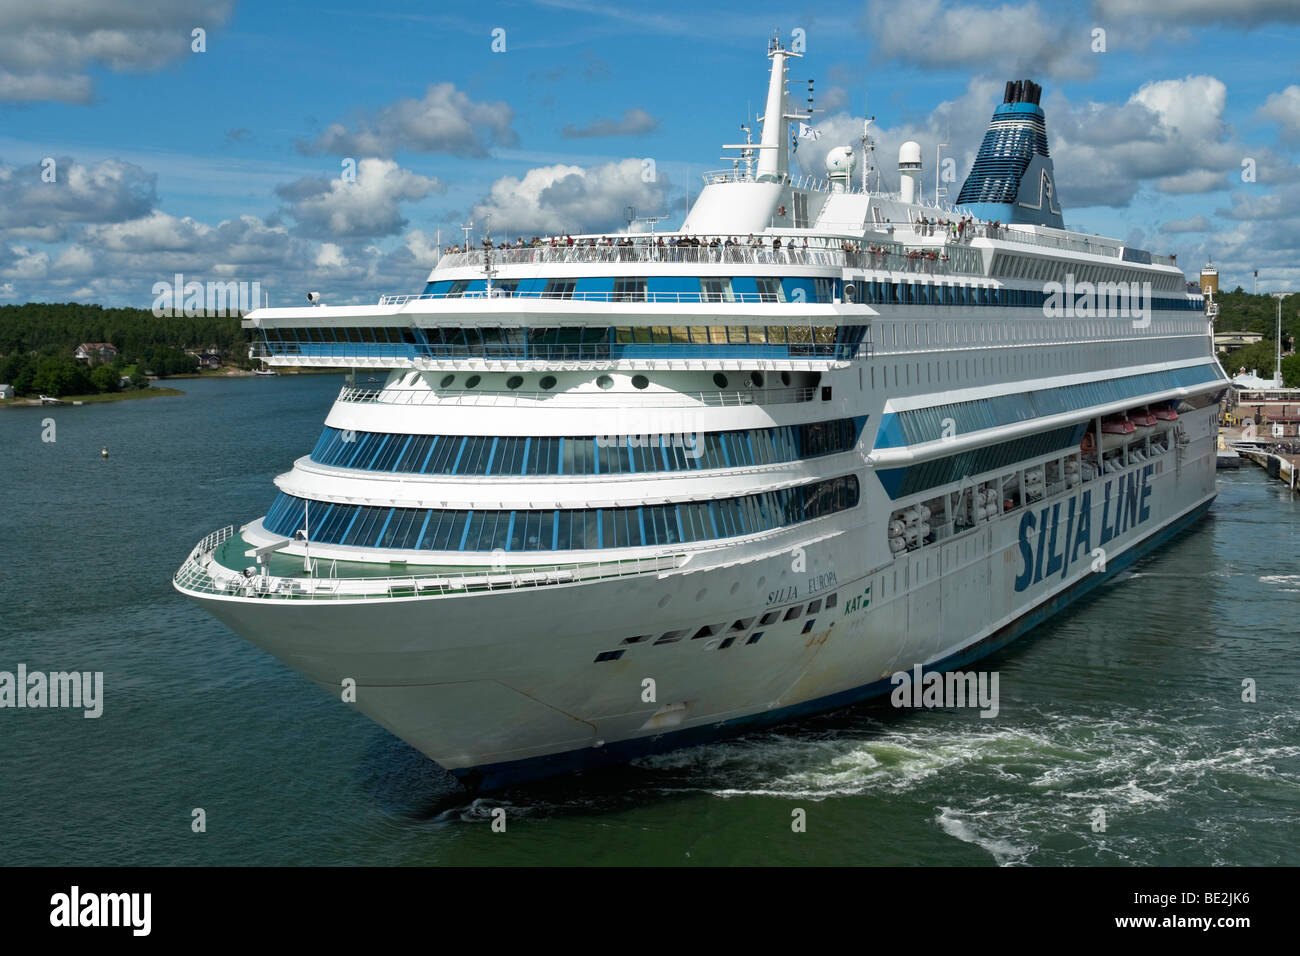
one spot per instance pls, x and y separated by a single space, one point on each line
816 436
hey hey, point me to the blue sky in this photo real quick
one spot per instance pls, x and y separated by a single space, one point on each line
226 163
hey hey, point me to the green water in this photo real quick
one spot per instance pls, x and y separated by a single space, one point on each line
1129 702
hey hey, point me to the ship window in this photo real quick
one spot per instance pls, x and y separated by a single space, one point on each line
640 381
756 379
514 381
754 638
832 600
446 381
672 637
559 288
719 380
771 617
716 290
636 640
629 290
742 624
608 656
769 289
547 382
457 288
472 381
793 613
707 631
605 382
815 606
808 626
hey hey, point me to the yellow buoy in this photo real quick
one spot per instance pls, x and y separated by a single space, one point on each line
103 452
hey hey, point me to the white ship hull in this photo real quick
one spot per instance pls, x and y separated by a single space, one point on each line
500 687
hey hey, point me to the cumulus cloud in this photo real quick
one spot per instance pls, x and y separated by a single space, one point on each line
634 122
445 120
1169 133
1240 13
1019 40
1284 109
370 206
561 198
47 47
108 191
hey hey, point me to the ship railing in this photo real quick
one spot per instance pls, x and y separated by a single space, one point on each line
499 292
202 575
837 255
422 396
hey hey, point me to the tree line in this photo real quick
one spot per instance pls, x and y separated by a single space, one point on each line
1239 311
38 339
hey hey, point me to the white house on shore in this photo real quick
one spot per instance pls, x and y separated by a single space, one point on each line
95 352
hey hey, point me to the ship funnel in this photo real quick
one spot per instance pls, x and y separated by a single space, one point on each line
1013 179
909 170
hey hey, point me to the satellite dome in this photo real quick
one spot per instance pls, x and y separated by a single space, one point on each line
840 160
909 152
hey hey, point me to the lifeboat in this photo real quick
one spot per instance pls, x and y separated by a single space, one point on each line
1142 418
1117 425
1165 413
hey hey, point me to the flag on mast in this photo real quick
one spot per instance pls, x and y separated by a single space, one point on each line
809 132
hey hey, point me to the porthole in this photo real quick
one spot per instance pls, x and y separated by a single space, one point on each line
514 381
785 379
719 380
756 379
640 381
472 381
547 383
605 382
446 381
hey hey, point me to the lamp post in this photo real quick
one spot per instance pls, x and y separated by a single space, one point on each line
1277 370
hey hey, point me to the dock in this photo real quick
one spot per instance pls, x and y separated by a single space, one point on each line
1283 467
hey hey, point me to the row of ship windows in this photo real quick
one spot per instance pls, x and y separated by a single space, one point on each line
558 342
433 529
589 455
902 482
737 629
893 334
774 289
650 288
1055 270
929 424
981 367
924 293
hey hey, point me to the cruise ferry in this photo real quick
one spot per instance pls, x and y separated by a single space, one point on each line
600 497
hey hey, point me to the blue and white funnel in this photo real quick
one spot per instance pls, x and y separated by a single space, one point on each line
1012 179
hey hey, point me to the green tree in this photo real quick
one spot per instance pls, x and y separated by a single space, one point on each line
56 377
1258 357
105 378
18 370
1291 371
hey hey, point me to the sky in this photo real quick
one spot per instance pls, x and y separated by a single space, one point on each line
335 146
